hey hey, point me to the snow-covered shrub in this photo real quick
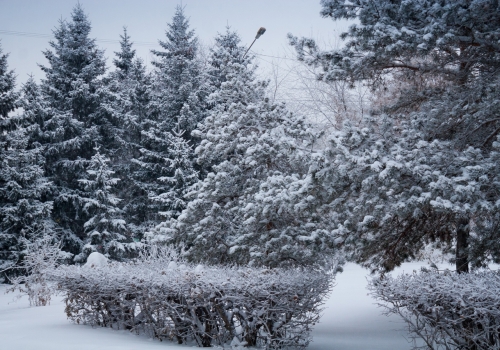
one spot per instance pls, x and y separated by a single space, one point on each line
41 256
167 298
445 310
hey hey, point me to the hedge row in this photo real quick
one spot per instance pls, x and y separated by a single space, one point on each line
168 299
445 310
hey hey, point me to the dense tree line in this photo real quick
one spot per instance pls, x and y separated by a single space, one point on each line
107 161
195 154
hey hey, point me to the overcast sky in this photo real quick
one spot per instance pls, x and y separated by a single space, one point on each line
147 20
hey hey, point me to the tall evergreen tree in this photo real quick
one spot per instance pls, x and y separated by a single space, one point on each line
76 121
241 212
24 210
130 89
8 95
422 171
178 86
177 101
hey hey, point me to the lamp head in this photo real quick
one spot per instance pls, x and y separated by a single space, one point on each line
261 31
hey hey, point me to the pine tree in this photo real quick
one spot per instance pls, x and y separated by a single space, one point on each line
241 212
76 121
24 210
105 229
422 169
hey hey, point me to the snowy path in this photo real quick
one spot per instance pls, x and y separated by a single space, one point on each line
351 322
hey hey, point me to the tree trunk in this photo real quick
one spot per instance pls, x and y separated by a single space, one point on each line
462 258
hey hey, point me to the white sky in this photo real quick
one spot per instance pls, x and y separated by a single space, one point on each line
147 20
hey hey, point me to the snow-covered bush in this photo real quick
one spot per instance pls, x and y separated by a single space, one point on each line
41 256
167 298
445 310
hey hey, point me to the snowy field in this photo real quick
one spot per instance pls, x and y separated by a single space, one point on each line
350 322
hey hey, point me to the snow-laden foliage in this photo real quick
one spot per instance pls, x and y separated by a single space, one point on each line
175 107
447 39
445 310
178 94
181 176
8 95
75 122
424 168
106 228
24 211
168 298
128 99
124 61
41 257
244 210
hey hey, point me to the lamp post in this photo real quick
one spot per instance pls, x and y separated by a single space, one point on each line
261 31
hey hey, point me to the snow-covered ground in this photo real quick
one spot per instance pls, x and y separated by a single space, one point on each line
351 322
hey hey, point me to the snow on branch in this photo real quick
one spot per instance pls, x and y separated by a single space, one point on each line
445 310
41 256
167 298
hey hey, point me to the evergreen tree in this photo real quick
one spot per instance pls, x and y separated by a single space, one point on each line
130 89
125 57
177 100
76 121
182 176
8 95
423 169
227 49
242 212
106 229
178 85
24 210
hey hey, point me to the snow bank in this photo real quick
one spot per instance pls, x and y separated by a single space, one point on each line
96 259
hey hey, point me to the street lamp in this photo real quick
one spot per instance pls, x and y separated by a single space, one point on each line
261 31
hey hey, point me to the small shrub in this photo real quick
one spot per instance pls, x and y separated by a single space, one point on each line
445 310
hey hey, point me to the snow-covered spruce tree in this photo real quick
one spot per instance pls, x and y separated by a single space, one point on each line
227 49
105 229
179 91
76 121
8 95
244 212
176 101
127 104
422 170
24 210
181 177
168 174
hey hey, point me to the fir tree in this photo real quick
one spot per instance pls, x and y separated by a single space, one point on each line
130 89
8 95
125 57
177 100
105 229
76 121
24 210
178 86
